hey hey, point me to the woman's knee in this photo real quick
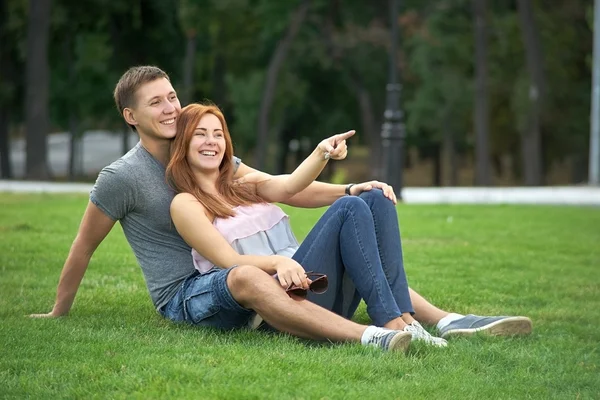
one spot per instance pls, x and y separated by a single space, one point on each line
375 196
352 203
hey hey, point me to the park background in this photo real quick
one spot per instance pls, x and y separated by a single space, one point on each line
494 93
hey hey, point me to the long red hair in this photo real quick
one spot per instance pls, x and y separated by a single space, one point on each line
181 177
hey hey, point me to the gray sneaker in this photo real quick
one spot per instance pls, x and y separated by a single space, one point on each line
496 326
390 340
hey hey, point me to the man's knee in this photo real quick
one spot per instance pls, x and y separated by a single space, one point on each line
243 278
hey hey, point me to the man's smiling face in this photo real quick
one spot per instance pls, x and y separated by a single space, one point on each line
156 109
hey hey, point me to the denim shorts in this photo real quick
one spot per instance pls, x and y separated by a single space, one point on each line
205 300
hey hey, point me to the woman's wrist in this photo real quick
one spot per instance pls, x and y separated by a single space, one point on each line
322 154
348 190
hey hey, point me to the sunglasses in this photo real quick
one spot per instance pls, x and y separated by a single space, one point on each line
317 285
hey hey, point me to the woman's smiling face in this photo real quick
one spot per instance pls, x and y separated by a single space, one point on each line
207 146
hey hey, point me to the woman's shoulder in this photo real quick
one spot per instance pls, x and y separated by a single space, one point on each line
184 198
183 202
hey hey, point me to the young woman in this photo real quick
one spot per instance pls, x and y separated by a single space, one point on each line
356 243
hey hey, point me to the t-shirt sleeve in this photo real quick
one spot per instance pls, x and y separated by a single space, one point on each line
236 164
114 191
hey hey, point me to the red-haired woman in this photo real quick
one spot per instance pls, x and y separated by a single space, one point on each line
227 223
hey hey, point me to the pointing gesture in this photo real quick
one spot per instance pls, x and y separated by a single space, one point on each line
335 146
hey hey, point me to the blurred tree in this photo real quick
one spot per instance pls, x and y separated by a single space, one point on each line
189 16
531 145
8 70
481 114
37 84
144 32
80 58
358 43
296 20
331 79
439 43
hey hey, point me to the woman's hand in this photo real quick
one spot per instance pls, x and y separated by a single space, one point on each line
290 272
335 146
388 191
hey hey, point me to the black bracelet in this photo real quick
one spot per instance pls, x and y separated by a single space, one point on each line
348 189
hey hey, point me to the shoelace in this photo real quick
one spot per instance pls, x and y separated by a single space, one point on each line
420 333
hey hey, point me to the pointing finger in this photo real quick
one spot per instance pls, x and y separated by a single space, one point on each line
344 136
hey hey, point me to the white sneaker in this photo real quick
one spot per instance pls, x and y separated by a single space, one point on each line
419 333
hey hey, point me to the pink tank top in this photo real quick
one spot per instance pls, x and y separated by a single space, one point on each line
258 229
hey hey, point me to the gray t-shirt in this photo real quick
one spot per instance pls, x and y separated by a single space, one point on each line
134 191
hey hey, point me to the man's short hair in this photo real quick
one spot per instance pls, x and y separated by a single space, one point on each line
131 81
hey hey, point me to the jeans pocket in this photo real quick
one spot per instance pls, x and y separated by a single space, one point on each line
200 305
174 310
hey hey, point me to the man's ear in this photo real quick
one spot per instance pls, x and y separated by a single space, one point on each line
129 117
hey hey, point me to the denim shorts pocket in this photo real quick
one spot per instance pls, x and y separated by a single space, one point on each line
174 311
200 306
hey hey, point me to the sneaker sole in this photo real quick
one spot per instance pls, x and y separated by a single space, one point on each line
255 322
511 326
400 342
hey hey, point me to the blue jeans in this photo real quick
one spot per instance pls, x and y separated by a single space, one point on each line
357 244
205 300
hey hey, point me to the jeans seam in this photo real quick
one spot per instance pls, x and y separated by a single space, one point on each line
371 201
367 263
371 204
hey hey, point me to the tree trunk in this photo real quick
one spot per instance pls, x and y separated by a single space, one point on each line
531 135
370 131
36 97
287 134
5 166
75 159
437 164
482 150
275 65
450 159
75 150
219 86
344 66
188 68
6 75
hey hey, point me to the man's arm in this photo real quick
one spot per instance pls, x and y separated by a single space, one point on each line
320 194
94 227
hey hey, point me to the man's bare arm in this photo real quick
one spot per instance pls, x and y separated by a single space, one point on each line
94 227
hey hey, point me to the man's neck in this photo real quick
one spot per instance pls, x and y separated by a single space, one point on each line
158 148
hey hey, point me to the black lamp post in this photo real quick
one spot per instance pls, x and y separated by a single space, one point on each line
393 130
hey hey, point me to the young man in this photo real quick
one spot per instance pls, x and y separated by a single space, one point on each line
133 191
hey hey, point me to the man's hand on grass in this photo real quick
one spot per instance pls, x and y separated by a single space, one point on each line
51 314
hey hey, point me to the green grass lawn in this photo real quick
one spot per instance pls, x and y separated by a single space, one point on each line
543 262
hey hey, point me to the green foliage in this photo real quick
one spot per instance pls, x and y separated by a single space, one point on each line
339 55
